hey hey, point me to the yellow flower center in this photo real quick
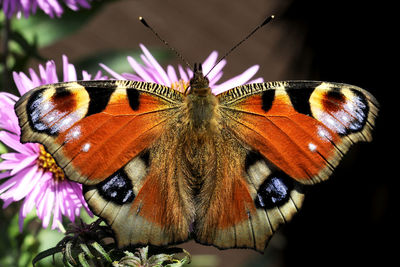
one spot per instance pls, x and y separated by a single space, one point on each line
180 85
47 163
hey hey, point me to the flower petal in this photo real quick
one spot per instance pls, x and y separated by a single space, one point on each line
5 174
7 185
8 119
9 98
68 70
140 70
31 199
24 182
51 72
156 65
7 202
172 74
190 73
12 156
77 189
113 73
23 83
28 161
215 79
132 77
21 218
48 206
216 71
100 76
182 73
236 81
45 205
12 141
29 182
258 80
34 78
209 62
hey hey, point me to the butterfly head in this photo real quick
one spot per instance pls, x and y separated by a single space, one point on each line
199 84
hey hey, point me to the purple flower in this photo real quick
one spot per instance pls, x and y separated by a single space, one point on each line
50 7
29 173
152 71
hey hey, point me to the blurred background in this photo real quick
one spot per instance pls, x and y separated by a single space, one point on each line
348 220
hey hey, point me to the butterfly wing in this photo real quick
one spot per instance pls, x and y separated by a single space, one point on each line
304 128
278 136
105 135
245 200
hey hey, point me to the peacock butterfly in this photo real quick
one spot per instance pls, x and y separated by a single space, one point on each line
161 166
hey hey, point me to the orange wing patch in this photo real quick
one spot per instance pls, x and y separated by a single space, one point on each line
111 143
295 143
104 123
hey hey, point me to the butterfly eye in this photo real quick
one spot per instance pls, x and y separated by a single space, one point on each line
274 192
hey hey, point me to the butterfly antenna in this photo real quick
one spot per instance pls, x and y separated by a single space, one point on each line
165 43
265 22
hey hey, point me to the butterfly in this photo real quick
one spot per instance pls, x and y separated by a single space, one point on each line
161 166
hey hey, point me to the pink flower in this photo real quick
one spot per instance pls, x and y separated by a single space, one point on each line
152 71
50 7
29 173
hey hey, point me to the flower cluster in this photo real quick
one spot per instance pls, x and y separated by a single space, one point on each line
51 7
30 174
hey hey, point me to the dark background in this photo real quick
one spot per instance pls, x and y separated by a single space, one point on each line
348 220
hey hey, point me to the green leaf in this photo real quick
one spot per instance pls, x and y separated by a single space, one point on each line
68 253
86 250
101 250
3 149
185 260
82 260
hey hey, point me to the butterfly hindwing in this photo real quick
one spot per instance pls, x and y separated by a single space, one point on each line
245 200
143 202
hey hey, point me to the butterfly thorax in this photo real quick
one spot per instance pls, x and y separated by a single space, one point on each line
201 104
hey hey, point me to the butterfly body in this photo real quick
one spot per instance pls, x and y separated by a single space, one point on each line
161 166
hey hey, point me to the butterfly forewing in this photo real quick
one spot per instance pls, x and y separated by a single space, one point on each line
301 127
106 122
